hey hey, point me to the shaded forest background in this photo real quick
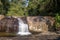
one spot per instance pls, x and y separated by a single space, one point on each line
35 8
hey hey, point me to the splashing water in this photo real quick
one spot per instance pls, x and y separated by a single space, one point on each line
23 28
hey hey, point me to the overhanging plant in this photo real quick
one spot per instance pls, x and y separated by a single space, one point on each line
57 22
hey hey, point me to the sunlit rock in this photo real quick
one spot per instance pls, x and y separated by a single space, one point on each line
39 23
1 17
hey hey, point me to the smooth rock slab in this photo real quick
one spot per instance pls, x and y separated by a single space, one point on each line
33 37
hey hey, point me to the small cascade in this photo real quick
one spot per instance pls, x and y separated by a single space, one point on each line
23 28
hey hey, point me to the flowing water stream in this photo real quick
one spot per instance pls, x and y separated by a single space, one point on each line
23 28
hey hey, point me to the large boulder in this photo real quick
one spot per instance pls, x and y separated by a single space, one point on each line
39 23
9 25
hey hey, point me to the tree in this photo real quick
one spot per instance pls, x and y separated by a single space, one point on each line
35 7
17 8
1 7
43 7
4 6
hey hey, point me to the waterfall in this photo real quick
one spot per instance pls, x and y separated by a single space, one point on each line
23 28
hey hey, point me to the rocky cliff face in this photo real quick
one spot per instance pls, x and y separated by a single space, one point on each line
36 23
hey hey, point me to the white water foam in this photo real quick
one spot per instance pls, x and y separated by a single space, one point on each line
23 28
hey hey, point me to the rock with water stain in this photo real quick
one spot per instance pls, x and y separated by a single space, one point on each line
9 25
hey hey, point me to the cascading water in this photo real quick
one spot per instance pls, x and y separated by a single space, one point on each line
23 28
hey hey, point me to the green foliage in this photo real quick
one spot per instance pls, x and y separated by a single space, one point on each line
38 7
57 18
16 9
1 7
35 7
43 7
4 5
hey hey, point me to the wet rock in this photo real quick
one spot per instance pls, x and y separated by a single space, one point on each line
33 37
39 23
22 18
50 22
9 24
